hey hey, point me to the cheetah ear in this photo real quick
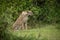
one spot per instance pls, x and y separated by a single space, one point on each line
24 12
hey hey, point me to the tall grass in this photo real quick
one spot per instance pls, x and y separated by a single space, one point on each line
48 32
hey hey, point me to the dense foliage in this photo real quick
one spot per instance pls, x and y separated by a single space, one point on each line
44 10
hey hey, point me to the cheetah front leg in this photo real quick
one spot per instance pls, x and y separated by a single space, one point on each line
26 25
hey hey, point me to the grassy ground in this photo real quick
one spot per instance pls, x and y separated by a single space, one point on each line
48 32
